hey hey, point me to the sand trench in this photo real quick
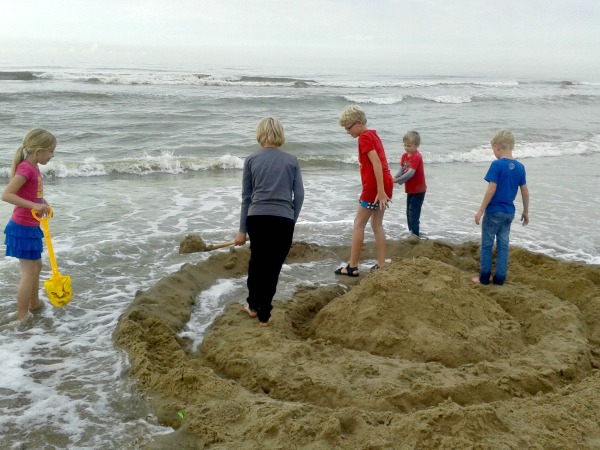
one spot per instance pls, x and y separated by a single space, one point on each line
411 356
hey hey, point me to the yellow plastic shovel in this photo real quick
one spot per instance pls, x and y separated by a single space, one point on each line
58 287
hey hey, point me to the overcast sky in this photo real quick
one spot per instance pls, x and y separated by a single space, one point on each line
557 38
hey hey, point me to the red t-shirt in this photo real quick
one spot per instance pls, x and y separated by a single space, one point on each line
32 190
416 184
366 142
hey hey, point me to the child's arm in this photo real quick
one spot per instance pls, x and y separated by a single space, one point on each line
525 195
402 178
10 196
298 190
487 197
382 197
240 238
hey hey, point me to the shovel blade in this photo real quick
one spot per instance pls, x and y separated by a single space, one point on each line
58 290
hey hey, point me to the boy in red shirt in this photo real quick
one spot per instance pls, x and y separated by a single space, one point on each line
377 186
412 175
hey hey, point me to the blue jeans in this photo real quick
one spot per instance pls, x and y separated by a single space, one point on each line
414 202
495 225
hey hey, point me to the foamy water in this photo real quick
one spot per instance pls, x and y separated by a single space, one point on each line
146 158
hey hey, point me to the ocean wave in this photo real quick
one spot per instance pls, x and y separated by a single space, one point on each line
415 83
571 98
331 160
175 78
521 151
17 76
451 99
133 77
395 99
366 99
563 83
169 163
201 79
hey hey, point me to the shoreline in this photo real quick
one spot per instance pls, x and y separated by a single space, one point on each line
413 354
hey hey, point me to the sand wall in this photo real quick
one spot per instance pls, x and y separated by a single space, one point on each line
411 356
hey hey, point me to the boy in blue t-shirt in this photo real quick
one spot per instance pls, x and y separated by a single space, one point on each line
505 176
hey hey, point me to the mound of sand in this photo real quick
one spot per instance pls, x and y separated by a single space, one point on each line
420 310
411 356
192 243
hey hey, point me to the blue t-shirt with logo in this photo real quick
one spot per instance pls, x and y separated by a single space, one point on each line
508 175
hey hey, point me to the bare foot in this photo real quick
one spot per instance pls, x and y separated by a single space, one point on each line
250 312
265 324
476 280
39 308
24 319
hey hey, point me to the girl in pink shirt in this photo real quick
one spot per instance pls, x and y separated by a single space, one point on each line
23 234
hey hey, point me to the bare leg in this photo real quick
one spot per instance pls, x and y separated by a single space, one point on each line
27 294
379 233
358 235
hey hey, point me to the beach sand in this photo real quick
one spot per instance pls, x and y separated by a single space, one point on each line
411 356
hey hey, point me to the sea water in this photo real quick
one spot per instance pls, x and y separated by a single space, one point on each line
146 157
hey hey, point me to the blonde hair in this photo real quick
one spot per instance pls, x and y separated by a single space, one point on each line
269 133
412 137
504 139
351 115
36 140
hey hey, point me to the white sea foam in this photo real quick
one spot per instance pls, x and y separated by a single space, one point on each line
47 365
193 79
415 83
483 153
366 99
456 99
210 304
343 159
392 100
167 162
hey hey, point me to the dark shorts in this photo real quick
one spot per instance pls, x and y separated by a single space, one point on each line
23 242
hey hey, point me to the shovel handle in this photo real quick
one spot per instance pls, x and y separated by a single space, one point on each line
34 213
216 246
46 230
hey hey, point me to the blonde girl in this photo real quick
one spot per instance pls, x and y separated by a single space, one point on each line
23 234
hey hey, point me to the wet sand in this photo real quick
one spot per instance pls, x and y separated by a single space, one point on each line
411 356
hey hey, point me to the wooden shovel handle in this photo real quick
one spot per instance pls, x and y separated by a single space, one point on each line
216 246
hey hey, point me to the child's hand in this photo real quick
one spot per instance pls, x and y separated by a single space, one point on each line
478 217
43 209
525 218
383 200
240 239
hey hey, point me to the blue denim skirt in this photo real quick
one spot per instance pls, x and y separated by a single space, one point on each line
23 242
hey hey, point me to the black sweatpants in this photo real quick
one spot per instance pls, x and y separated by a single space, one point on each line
270 242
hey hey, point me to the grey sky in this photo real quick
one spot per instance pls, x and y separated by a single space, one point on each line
558 38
